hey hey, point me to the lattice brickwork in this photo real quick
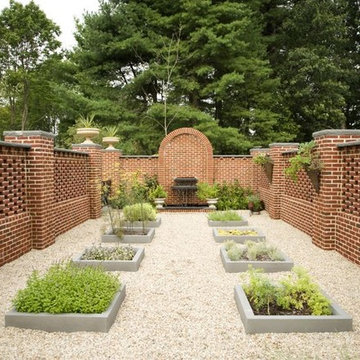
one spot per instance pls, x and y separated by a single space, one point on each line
12 181
350 181
301 189
70 175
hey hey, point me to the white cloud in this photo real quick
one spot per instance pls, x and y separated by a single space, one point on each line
62 13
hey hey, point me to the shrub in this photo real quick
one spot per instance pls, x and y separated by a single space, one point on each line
109 253
206 191
260 250
296 293
224 216
66 288
139 212
232 196
236 253
262 159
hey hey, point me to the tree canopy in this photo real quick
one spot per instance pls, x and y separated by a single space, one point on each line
246 73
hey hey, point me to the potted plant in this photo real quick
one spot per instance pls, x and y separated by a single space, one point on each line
266 162
110 136
254 204
306 159
57 301
208 193
158 195
238 258
294 304
87 128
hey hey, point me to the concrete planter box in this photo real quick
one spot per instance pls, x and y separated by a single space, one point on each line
114 265
68 322
339 321
109 237
148 224
213 223
243 265
238 238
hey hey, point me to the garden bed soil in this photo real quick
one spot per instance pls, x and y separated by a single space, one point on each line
338 321
238 238
68 322
243 265
113 265
131 236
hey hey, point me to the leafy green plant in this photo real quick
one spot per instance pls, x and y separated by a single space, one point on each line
232 196
109 253
224 216
236 253
139 212
254 203
206 191
262 159
158 193
295 294
110 131
66 288
305 159
86 122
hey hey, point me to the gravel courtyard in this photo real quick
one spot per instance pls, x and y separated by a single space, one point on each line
180 304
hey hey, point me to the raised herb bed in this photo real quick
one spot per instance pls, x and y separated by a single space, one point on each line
131 236
243 265
253 324
148 224
239 235
113 265
226 218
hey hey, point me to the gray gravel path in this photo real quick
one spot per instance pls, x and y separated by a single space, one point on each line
180 305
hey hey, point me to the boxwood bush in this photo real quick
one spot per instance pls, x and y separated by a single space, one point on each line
66 288
139 212
232 196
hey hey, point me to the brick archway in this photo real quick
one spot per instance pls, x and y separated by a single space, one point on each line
185 152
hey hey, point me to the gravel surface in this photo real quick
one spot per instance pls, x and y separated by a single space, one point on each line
180 304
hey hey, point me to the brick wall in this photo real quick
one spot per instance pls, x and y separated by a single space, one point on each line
15 221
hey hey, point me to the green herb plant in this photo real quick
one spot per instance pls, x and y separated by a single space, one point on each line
66 288
109 253
158 193
262 159
227 215
207 191
86 121
110 131
232 196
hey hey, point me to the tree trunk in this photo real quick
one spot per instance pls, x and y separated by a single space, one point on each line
25 112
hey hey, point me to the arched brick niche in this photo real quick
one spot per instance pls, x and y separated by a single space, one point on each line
185 152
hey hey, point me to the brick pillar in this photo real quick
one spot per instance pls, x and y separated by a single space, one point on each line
111 167
40 183
278 178
328 202
94 176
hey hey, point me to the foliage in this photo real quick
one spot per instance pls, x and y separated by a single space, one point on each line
86 121
262 159
109 253
139 212
224 216
66 288
158 193
236 253
110 131
304 159
295 292
254 203
207 191
232 196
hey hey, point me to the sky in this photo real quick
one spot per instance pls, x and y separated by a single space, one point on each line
62 12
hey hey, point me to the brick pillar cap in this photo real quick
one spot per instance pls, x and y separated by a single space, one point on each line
96 146
283 145
30 133
259 149
111 150
335 132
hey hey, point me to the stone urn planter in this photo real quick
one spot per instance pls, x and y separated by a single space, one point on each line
68 322
110 141
212 203
243 265
159 202
88 133
338 321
